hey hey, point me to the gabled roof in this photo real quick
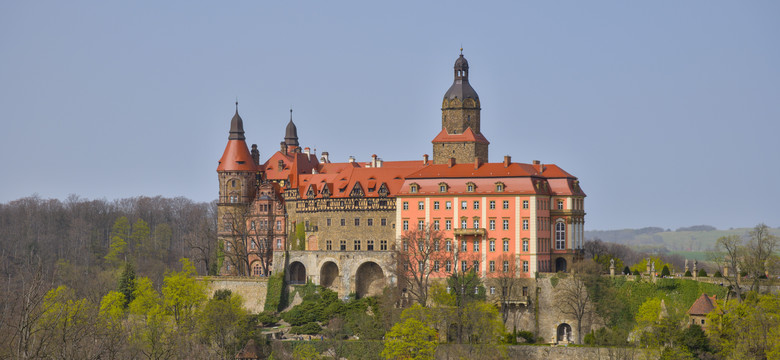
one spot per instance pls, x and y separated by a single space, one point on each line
467 136
703 305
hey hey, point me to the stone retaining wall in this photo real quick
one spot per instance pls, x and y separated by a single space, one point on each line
251 289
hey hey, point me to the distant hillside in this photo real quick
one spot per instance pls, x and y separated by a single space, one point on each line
693 238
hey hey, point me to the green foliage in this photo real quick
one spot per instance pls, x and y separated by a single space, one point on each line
687 273
112 306
222 294
300 237
554 281
749 329
636 272
694 338
410 339
311 328
665 272
702 273
717 274
120 233
182 294
528 336
267 318
676 353
145 298
275 298
127 284
222 323
139 239
659 264
306 351
604 261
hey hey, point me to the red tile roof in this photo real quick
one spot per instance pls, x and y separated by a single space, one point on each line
236 157
703 305
467 136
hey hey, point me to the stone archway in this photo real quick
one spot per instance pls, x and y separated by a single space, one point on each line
329 275
560 264
563 333
297 273
369 279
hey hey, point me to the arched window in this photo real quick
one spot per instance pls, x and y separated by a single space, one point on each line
257 270
560 235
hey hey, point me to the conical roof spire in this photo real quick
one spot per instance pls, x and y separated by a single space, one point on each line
291 133
461 88
236 127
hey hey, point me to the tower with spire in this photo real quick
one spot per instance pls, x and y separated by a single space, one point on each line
460 137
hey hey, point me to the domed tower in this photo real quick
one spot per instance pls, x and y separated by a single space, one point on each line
291 134
237 185
460 137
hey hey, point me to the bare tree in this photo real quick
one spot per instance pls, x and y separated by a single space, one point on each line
759 255
236 240
572 296
729 254
422 254
506 282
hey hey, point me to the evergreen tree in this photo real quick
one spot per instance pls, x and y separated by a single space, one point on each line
665 271
626 271
127 284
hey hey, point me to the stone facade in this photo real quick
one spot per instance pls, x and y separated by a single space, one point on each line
252 289
462 152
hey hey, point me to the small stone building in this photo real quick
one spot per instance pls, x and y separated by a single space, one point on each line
700 308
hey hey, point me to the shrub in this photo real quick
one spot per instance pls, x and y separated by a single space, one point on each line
222 294
702 273
275 298
688 274
636 272
268 318
665 271
311 328
527 335
626 271
717 274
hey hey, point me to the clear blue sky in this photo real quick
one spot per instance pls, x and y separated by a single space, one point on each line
667 111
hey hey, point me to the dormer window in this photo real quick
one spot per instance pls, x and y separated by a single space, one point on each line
470 186
499 187
443 187
414 188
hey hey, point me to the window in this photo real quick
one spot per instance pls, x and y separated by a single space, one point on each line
499 187
343 245
406 224
370 245
436 245
357 245
420 225
279 225
436 265
327 222
525 204
492 290
252 226
470 187
382 244
406 205
227 247
505 224
406 246
413 188
525 290
357 221
442 188
560 235
383 222
228 267
464 246
328 245
492 266
492 224
476 205
420 205
448 268
463 223
506 266
506 204
476 245
435 205
448 245
492 204
475 268
253 245
506 245
463 266
420 266
448 205
278 243
525 224
492 245
343 222
476 223
448 224
525 245
525 266
370 222
257 270
464 205
435 224
560 204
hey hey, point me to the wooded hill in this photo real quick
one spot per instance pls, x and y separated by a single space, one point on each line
698 238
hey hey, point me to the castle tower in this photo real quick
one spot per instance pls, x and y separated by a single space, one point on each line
291 135
237 186
460 137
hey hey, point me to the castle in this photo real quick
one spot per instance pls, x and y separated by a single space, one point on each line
340 224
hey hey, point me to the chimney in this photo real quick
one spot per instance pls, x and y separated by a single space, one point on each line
351 159
425 159
325 158
373 160
451 162
536 162
255 154
379 162
507 160
476 163
306 150
283 149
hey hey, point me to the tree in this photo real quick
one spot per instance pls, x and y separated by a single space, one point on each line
120 233
759 254
421 255
665 272
127 284
140 240
465 288
182 294
749 329
222 323
732 247
410 339
505 280
572 295
236 247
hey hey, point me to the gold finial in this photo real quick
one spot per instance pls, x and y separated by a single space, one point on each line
461 49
